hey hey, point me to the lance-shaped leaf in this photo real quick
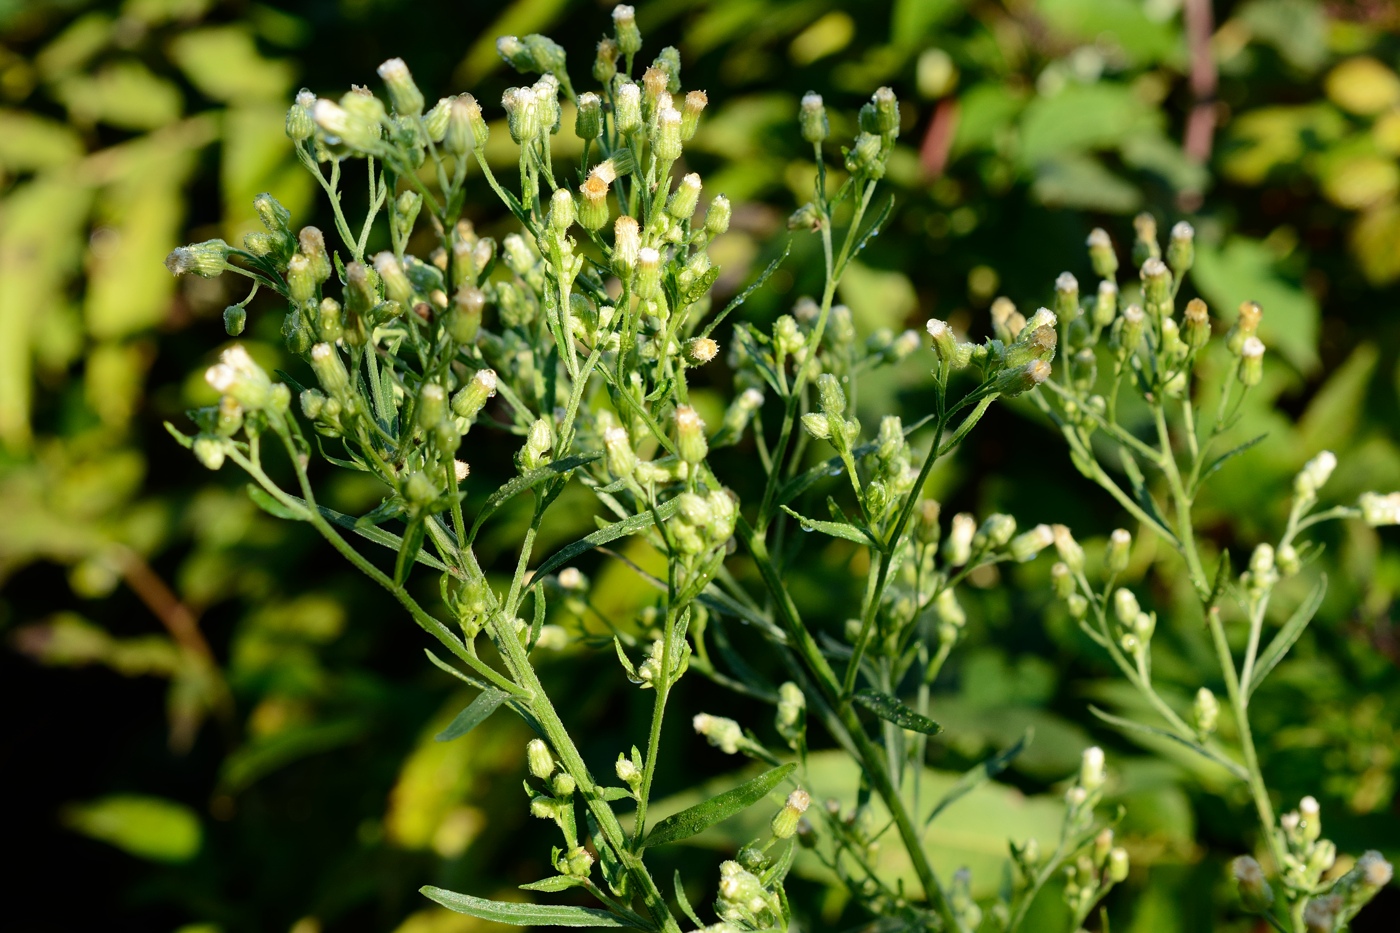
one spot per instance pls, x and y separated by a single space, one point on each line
522 915
523 482
979 775
835 529
891 710
272 507
749 290
1129 726
702 816
1286 637
603 535
474 715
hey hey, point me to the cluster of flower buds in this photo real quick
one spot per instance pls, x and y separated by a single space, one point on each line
648 674
1135 626
744 901
1097 869
246 396
703 523
1086 792
723 733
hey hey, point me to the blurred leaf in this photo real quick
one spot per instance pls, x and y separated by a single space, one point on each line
912 22
1332 419
1376 240
250 763
123 94
1261 140
29 141
1356 177
71 50
517 19
1082 181
1296 28
1125 24
522 915
985 112
148 827
1081 117
877 297
473 715
701 816
1245 270
257 157
225 64
1364 86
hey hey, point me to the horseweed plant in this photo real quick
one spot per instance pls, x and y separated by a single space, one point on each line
585 326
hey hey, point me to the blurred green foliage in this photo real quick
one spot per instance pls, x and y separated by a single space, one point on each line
288 778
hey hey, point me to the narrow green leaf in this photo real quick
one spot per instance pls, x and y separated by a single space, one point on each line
474 715
1286 637
448 668
409 549
184 440
378 535
874 229
975 777
1197 747
610 532
1221 460
271 506
892 710
835 529
684 903
757 283
612 794
702 816
553 885
523 482
522 915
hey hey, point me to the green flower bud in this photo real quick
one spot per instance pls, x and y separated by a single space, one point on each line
563 785
522 114
620 458
1156 283
1091 769
1105 304
1145 245
1196 324
785 823
667 140
1025 546
1205 712
299 125
1067 296
1120 545
301 282
627 245
235 318
721 732
1116 870
865 159
472 397
561 212
1125 606
1252 362
210 451
717 216
1181 248
695 104
605 61
685 198
464 319
886 112
792 713
812 118
579 862
1062 580
690 435
948 610
205 260
588 123
1102 255
1246 326
625 31
1129 329
648 279
944 343
817 425
1013 382
627 109
330 371
957 549
432 406
541 762
329 321
406 97
1067 548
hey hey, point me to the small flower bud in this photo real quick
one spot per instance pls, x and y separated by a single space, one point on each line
817 425
926 528
1014 382
1378 510
605 61
206 260
628 36
1205 712
1101 254
1120 545
627 109
717 216
685 197
301 284
1116 870
1181 248
627 244
667 141
792 713
563 785
628 772
785 823
435 121
561 212
1156 282
957 549
1068 549
1105 304
1125 606
865 158
396 283
1252 362
460 137
540 760
330 371
1091 769
408 100
812 118
948 610
690 435
432 406
1245 326
235 317
471 398
1025 546
1062 579
1310 812
1320 916
721 732
593 203
1145 246
1314 474
741 411
1196 318
695 104
300 127
648 280
886 111
464 319
620 458
1067 296
588 123
944 343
